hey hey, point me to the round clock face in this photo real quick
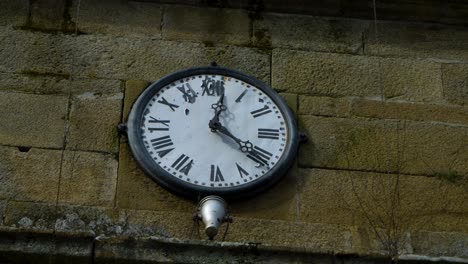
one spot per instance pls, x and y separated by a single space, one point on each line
212 131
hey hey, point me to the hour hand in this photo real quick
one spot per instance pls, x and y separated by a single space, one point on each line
218 107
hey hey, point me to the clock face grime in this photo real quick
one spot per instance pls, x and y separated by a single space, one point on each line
212 131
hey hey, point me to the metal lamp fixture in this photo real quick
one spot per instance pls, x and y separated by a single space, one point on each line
212 212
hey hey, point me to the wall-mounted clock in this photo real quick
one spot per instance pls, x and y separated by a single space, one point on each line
212 131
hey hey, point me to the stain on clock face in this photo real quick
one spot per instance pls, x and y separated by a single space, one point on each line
213 131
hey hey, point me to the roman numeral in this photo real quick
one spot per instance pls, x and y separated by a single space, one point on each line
268 133
241 171
260 156
188 95
240 96
211 87
165 102
216 174
182 164
162 122
160 143
262 111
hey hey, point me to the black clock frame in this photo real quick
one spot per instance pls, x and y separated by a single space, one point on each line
166 180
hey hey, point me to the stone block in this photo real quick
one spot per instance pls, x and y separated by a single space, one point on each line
93 122
28 51
324 106
309 33
368 199
324 74
133 89
162 223
48 14
29 175
337 75
410 80
14 12
455 81
100 56
88 179
32 120
384 146
49 84
208 25
93 220
419 40
319 237
438 244
291 100
449 114
135 190
27 215
323 198
117 18
277 203
3 205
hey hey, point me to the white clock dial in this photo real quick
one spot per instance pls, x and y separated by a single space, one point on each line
176 134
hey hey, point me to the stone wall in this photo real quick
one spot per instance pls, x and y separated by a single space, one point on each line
384 105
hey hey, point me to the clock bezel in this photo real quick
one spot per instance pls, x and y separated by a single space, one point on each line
181 187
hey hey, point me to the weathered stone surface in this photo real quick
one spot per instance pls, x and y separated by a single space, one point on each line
48 14
277 203
325 74
88 179
410 111
93 122
455 81
117 18
29 215
407 147
135 190
410 80
170 223
209 25
50 84
368 199
133 88
418 40
14 12
109 57
34 246
32 120
309 33
94 220
3 204
291 101
320 237
29 176
324 106
440 244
